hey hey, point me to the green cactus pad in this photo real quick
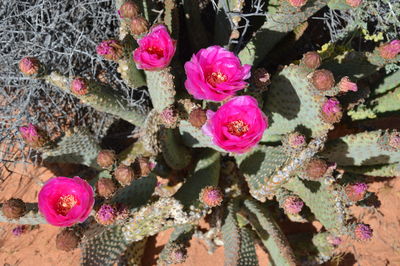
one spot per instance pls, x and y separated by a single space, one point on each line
205 174
388 83
134 253
247 253
137 193
386 170
231 234
285 19
176 155
101 98
361 149
194 137
388 102
78 147
325 201
293 105
104 248
271 235
161 88
258 166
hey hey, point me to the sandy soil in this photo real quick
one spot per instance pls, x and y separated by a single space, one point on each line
37 247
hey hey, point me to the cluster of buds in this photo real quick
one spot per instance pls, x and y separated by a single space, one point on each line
138 24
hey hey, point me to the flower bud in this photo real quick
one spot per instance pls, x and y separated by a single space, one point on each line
312 60
390 50
169 118
139 26
211 196
316 168
67 240
32 136
354 3
363 232
293 205
142 166
198 117
19 230
29 66
128 10
124 175
297 3
178 256
14 208
106 158
346 85
105 187
79 86
261 78
296 140
106 215
323 80
334 240
356 192
110 49
394 140
331 111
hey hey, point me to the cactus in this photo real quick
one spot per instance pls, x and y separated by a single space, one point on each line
214 142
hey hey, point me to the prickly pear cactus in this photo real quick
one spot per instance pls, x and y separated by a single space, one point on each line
240 134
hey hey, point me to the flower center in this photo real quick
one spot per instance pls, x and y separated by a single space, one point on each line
159 52
65 204
238 128
216 78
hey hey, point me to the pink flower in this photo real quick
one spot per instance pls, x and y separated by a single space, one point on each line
155 50
29 65
390 50
215 74
66 201
32 136
237 126
331 106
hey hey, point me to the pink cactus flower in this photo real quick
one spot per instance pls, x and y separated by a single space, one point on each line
66 201
155 50
346 85
215 74
237 126
390 50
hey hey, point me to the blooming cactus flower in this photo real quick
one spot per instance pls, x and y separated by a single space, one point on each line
237 126
155 50
66 201
215 74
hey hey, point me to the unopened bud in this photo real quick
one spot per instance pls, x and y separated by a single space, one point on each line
346 85
297 3
211 196
67 240
79 86
106 158
124 175
128 10
32 136
139 25
198 117
323 80
390 50
316 168
14 208
354 3
105 187
29 66
110 49
331 111
312 60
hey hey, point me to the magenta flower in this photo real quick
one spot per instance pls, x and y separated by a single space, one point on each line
66 201
215 74
237 126
155 50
